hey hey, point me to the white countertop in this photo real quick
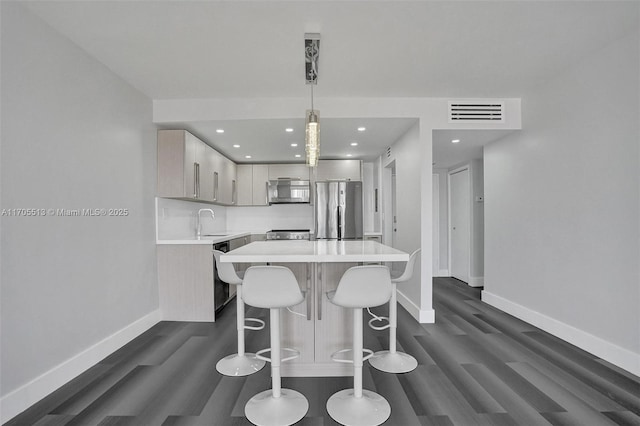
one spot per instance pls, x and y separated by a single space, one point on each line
217 237
315 252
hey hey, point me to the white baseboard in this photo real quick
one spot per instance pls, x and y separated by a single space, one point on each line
423 316
26 395
442 273
476 281
608 351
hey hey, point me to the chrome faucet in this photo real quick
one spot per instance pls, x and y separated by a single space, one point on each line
198 224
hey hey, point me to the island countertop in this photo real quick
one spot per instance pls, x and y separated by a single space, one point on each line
319 251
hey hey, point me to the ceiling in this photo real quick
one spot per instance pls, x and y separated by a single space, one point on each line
253 49
470 143
268 141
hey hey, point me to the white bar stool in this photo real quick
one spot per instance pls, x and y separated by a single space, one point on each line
392 361
241 363
360 287
274 287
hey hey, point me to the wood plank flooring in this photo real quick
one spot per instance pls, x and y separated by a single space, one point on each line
477 366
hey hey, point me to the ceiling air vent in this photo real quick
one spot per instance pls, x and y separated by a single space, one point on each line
388 152
476 112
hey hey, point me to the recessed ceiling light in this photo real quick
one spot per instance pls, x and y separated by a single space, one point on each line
236 146
294 144
354 143
349 155
298 155
455 140
247 156
362 129
288 130
219 130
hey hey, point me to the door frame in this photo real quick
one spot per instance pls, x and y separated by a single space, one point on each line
466 167
388 191
435 232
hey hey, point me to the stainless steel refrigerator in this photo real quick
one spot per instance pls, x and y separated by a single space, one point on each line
338 210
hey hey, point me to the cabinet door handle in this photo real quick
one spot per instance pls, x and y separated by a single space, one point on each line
309 295
266 201
319 285
234 192
215 186
196 180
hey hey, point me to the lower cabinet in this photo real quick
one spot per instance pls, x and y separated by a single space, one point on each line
185 279
296 329
324 327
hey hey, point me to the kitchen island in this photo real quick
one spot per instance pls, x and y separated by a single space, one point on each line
323 327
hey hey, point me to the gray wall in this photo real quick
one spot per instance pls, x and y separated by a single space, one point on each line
562 205
74 136
408 164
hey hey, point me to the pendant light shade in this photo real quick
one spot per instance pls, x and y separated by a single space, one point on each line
312 118
312 137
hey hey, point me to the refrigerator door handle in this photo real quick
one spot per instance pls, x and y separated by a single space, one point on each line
339 222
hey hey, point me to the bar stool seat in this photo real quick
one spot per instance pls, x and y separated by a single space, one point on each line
240 363
392 361
274 287
360 287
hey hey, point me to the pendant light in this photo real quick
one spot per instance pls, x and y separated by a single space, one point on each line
312 121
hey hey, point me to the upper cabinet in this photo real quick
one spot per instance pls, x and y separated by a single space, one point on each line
339 169
225 183
245 184
294 171
259 180
252 184
179 158
190 169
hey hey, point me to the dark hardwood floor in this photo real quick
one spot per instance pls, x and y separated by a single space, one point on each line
477 366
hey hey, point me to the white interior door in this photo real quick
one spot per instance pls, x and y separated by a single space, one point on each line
460 224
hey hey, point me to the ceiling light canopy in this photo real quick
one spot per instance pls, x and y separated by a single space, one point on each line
312 122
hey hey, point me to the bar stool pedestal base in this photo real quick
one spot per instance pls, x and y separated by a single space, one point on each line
239 365
265 410
370 410
397 362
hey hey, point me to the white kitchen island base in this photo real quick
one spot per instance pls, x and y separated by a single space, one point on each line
322 328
